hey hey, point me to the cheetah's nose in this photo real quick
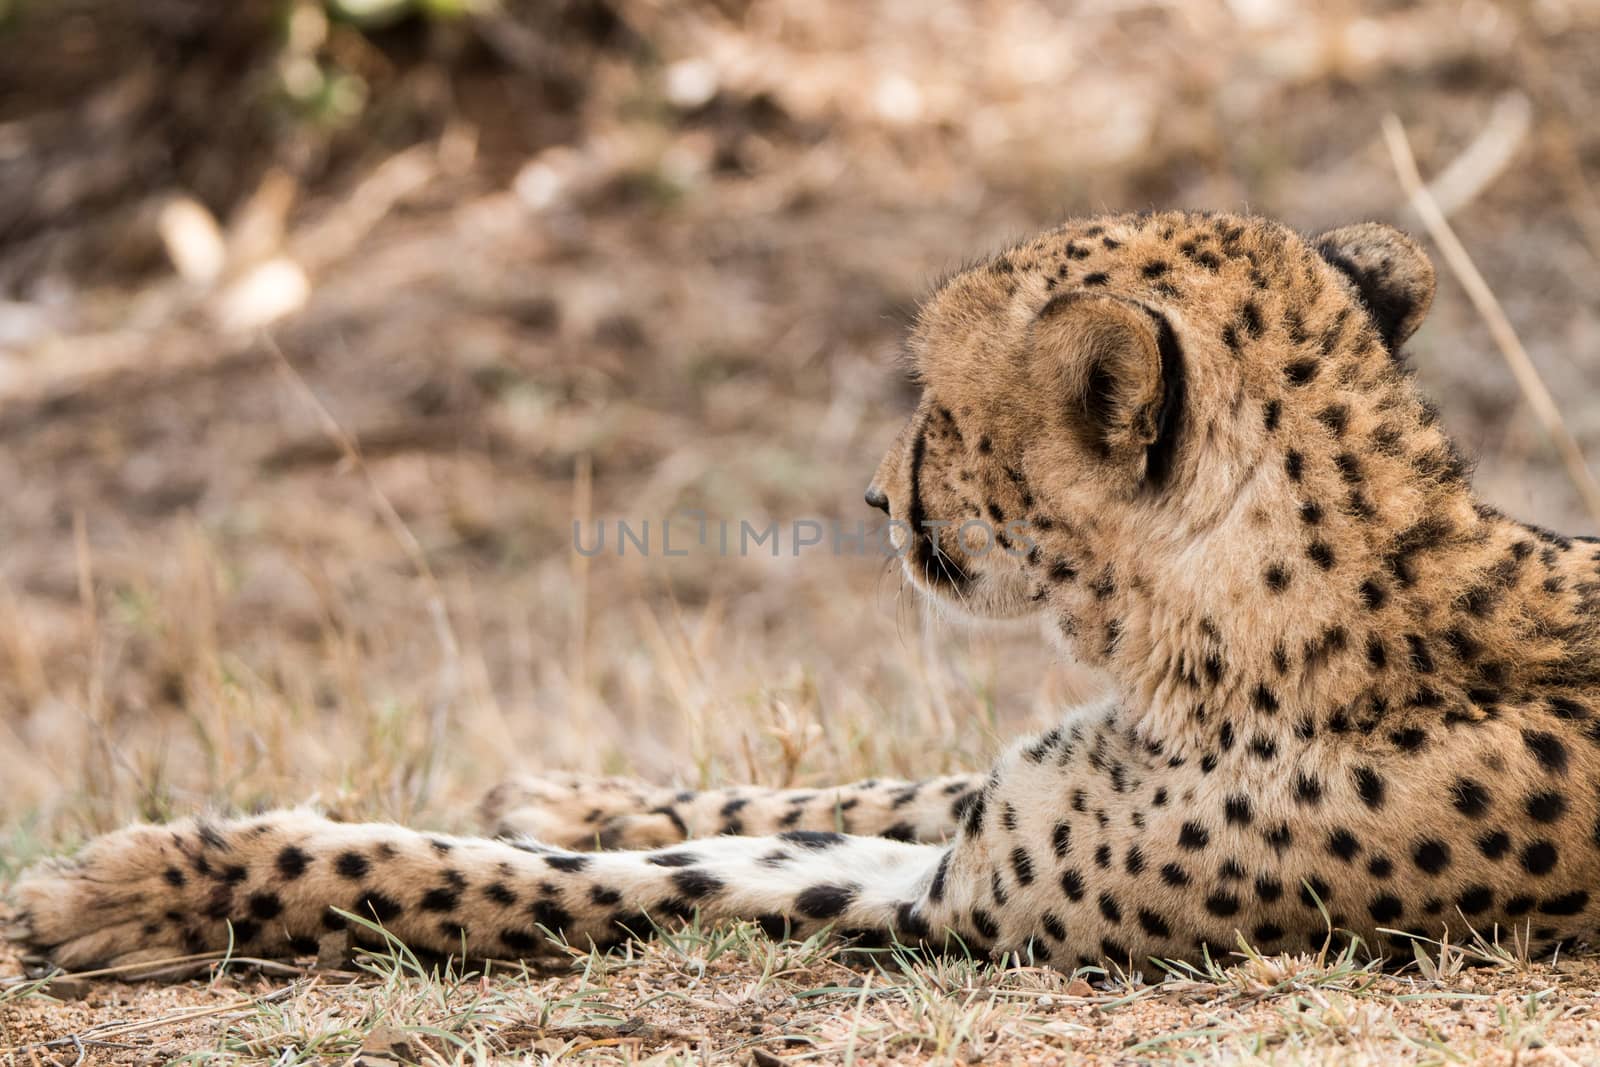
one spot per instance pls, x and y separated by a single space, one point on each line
877 498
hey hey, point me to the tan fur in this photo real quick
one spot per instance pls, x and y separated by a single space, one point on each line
1346 695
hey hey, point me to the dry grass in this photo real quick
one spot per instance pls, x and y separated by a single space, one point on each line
523 312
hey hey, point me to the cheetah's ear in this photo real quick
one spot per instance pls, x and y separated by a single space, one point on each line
1097 361
1390 271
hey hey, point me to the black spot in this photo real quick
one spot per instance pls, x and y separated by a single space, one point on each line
1547 806
1474 900
1134 861
1409 739
1470 798
1430 855
292 863
1237 810
1268 889
265 905
672 859
813 839
1250 318
825 901
519 940
1096 278
1494 844
1520 904
1193 836
1264 699
1277 578
1335 417
1348 466
909 923
174 877
1110 909
1567 904
1343 843
1539 857
1373 596
1313 890
1321 553
1153 924
211 838
1421 658
1022 864
1270 415
1307 790
1061 838
940 873
1072 884
1385 908
972 820
1547 749
1571 710
1300 371
1294 464
1102 856
1174 875
570 864
1380 867
378 906
1222 904
1369 786
1267 932
442 899
604 895
352 865
695 884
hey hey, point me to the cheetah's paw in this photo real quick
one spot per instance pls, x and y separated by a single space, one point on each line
113 904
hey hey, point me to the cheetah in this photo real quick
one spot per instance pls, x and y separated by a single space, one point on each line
1344 698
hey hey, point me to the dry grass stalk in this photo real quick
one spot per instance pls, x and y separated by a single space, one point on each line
1494 316
447 684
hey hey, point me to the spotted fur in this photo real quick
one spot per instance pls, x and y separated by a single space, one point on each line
1344 694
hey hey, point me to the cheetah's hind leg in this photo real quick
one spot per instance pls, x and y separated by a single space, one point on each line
582 812
579 811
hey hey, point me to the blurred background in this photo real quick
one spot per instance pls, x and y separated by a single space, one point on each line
321 321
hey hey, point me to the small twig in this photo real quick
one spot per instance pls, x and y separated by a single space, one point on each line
449 683
1494 316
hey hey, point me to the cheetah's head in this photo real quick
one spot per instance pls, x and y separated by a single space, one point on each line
1130 387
